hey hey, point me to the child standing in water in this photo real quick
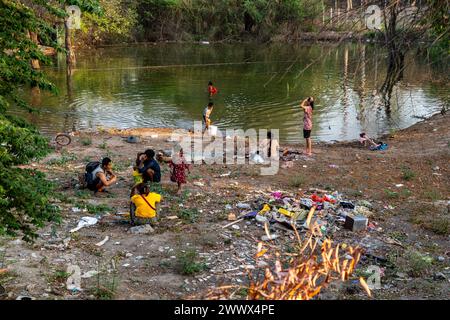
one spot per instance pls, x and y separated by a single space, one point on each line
308 107
211 89
206 116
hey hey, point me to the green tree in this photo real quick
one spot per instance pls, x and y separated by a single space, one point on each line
116 24
24 193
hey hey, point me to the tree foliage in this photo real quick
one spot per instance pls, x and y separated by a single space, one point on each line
117 23
24 194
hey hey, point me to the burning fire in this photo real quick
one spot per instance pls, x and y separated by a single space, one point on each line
300 275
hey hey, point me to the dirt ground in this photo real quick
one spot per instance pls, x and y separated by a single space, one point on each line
407 187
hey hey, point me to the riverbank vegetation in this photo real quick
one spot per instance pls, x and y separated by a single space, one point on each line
25 195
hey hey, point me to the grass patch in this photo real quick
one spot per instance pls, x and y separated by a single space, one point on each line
189 214
417 264
188 263
83 194
297 181
440 226
432 218
405 193
407 174
103 145
63 160
433 195
94 209
106 284
59 276
391 194
86 141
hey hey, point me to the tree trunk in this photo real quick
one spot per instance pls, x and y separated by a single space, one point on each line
34 62
396 53
70 58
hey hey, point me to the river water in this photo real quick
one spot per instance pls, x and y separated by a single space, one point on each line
260 86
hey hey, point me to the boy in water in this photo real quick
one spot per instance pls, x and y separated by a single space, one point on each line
211 89
206 115
308 106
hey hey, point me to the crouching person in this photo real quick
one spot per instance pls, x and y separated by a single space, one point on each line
99 176
144 204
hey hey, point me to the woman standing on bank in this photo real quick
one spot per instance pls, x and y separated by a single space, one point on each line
308 107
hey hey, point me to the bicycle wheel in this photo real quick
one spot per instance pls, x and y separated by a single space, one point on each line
63 139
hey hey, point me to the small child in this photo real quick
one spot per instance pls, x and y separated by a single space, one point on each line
211 89
144 204
178 167
137 177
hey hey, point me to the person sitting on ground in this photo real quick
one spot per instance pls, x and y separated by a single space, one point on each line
144 204
206 116
366 141
211 89
100 175
148 166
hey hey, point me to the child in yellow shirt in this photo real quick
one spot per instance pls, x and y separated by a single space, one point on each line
144 204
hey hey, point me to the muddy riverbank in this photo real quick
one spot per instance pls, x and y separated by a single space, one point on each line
406 189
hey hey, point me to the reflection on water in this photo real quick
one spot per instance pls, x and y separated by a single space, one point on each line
259 87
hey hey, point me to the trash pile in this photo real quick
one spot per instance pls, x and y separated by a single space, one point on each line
330 212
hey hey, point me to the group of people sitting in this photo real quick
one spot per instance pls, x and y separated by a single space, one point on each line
147 171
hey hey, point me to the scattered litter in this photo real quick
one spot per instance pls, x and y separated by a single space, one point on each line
241 205
172 217
133 139
225 174
199 184
257 159
355 223
126 265
102 242
235 227
399 185
89 274
334 166
232 223
271 237
85 222
232 217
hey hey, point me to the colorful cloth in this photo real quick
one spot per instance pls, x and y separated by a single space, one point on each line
178 171
307 118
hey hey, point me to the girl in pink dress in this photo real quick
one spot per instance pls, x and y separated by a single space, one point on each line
308 107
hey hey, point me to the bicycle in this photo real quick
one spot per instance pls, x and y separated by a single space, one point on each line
63 139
